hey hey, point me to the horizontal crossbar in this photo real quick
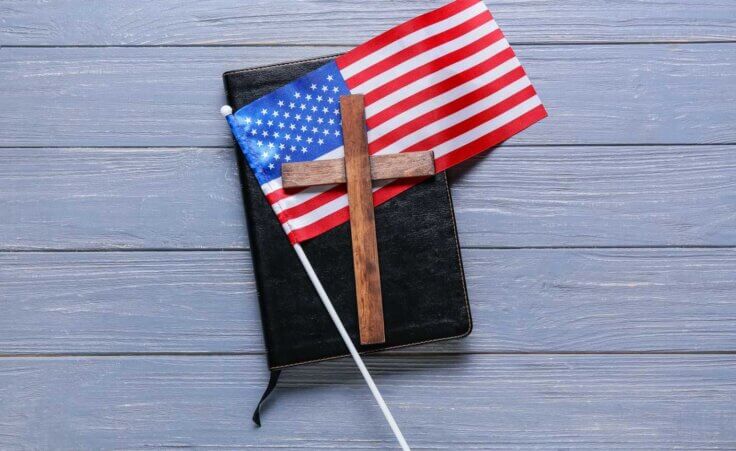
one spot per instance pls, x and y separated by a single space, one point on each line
329 172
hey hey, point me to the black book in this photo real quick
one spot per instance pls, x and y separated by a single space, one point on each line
423 286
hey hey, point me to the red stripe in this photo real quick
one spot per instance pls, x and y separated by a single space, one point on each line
439 88
474 121
328 222
277 195
418 48
311 204
432 66
281 194
342 215
394 188
446 110
402 30
491 139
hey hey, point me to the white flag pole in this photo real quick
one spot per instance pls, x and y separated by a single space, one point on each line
351 347
226 110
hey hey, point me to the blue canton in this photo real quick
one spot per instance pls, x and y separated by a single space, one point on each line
297 122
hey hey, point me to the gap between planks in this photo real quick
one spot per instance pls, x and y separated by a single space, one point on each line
343 45
389 354
486 248
509 146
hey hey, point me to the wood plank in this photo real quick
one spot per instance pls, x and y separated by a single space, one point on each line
597 196
640 402
211 22
313 173
516 196
595 94
592 300
362 221
402 165
332 171
116 197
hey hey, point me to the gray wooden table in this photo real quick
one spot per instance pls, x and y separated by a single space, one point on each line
600 245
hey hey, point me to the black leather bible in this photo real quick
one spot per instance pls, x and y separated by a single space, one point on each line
423 286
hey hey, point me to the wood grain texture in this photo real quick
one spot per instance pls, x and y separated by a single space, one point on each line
441 402
595 94
212 22
313 173
100 198
516 196
332 171
362 221
402 165
522 300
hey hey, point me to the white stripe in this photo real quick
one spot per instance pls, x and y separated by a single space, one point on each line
271 185
442 99
488 127
318 213
329 208
299 198
423 58
457 117
412 38
436 77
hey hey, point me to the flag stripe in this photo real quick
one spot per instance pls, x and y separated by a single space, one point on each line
412 51
440 97
418 60
437 65
310 231
424 118
380 195
423 92
537 113
312 203
445 126
409 32
494 112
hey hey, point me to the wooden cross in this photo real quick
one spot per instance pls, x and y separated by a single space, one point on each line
358 169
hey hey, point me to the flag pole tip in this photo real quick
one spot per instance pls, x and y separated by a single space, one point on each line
226 110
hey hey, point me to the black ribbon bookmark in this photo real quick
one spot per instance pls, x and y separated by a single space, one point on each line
271 385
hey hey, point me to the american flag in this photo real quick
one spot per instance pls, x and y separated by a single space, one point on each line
446 81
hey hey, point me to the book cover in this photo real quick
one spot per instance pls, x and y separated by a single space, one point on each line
423 285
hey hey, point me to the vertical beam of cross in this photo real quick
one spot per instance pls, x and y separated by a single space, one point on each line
362 220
